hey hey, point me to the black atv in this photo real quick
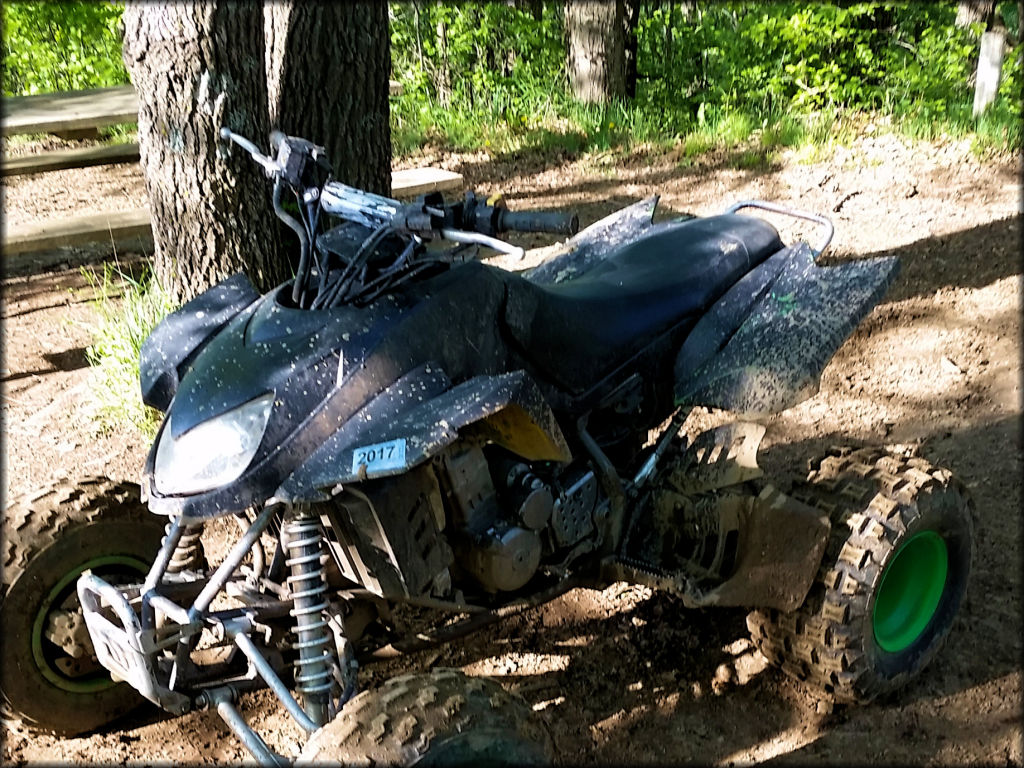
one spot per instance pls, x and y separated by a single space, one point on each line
403 427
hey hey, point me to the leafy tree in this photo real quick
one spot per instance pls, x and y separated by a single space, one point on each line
68 46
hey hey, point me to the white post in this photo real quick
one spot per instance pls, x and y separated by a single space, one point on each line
990 67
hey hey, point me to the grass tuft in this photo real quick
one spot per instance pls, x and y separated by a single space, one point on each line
127 307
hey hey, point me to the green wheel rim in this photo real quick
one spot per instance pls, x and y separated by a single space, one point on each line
43 658
909 593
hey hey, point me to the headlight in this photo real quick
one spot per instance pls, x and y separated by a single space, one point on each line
213 453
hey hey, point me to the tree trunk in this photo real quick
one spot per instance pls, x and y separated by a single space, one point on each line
327 81
668 36
990 68
443 77
198 67
596 60
419 35
534 7
630 21
973 11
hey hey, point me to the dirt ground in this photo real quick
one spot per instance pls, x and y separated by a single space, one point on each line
624 675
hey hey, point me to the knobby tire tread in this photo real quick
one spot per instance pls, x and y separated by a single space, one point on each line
34 521
872 498
396 723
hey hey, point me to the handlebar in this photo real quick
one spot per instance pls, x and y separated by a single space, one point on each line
469 221
432 215
552 222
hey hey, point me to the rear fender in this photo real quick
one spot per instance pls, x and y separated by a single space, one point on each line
174 342
762 347
420 415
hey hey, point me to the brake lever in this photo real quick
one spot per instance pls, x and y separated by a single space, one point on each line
271 166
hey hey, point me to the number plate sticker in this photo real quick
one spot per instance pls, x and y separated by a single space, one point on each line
379 457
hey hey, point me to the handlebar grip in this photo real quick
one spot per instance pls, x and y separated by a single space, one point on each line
538 221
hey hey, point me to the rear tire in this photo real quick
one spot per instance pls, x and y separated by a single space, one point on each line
891 580
443 717
51 680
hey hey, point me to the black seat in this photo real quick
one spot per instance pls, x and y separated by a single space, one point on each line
575 330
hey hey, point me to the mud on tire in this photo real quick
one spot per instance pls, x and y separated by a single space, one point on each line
871 622
443 717
49 677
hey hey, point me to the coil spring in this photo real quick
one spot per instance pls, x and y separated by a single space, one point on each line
188 554
303 540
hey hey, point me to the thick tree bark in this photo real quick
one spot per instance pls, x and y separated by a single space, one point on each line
596 60
328 66
198 67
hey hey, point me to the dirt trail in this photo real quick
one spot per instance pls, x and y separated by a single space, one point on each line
625 675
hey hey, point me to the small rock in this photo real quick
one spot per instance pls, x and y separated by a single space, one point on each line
950 367
724 675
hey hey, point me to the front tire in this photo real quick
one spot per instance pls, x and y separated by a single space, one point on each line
890 583
440 718
51 679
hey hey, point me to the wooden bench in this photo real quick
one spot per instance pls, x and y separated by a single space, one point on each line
118 226
99 107
70 111
74 111
62 159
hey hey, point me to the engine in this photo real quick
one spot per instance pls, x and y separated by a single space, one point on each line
508 517
475 513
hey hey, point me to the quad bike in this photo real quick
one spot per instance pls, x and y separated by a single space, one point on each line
403 428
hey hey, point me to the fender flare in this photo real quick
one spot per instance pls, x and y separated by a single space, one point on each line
417 417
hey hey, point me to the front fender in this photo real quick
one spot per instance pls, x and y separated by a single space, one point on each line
417 417
174 342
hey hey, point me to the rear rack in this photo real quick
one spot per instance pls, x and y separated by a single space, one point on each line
795 213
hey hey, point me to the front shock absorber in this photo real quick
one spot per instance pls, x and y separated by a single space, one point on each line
303 540
188 554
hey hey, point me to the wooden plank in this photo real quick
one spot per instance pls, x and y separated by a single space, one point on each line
50 112
71 158
75 110
121 225
417 181
77 230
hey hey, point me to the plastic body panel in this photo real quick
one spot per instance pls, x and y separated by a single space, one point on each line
167 351
761 349
425 415
324 367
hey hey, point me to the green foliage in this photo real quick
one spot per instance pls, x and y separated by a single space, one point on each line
127 308
706 76
51 46
491 76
